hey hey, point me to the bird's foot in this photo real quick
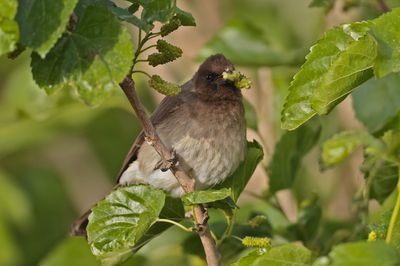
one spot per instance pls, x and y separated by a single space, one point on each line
171 162
202 223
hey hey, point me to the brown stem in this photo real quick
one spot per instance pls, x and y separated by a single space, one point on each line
383 6
187 183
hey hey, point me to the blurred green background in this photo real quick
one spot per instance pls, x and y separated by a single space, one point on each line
59 156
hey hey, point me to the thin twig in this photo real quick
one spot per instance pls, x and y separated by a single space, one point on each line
187 183
383 6
141 72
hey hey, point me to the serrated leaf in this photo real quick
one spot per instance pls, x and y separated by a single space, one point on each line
328 50
92 59
205 196
157 10
341 145
42 22
240 42
364 254
118 222
350 69
285 255
289 152
385 29
9 32
377 102
238 180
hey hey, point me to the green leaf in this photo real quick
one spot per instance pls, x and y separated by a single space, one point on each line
157 10
385 29
350 69
285 255
42 22
289 151
240 42
329 52
238 180
118 222
185 17
377 102
384 181
364 254
72 251
341 145
205 196
250 115
9 32
92 59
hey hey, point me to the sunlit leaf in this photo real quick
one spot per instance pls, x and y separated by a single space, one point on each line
288 255
329 51
118 222
156 10
41 32
9 32
92 59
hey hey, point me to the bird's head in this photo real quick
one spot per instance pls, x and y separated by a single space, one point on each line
209 83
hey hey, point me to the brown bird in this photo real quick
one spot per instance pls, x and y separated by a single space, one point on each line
204 125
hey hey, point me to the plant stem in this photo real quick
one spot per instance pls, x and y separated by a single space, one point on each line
175 223
141 72
149 47
395 215
187 184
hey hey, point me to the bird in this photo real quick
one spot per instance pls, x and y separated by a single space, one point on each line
204 125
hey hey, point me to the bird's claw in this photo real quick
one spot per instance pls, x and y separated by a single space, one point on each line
171 162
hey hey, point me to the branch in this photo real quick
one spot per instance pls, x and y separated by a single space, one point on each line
383 6
187 183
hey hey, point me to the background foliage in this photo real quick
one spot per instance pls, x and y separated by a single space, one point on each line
325 192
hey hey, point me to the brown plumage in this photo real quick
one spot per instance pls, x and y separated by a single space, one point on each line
204 125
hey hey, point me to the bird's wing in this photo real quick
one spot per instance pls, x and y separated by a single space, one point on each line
167 106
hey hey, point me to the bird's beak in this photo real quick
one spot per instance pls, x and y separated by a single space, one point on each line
223 82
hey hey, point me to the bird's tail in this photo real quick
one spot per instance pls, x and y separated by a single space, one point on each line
78 228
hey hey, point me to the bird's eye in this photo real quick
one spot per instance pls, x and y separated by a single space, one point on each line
211 77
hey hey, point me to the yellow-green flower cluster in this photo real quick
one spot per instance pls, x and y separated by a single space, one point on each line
259 242
167 53
240 80
164 87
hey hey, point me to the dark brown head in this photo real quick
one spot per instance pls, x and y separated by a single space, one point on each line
208 81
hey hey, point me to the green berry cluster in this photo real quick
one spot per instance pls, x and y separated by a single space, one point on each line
171 26
259 242
240 80
167 53
164 87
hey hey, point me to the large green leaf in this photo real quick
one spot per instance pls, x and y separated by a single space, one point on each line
289 152
330 51
350 69
365 254
386 30
238 180
341 145
240 42
285 255
92 59
42 22
118 222
377 102
9 32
